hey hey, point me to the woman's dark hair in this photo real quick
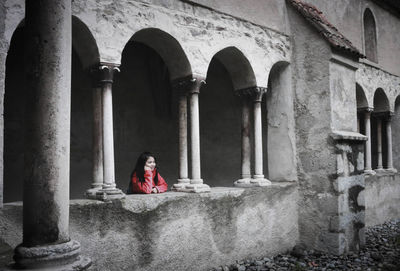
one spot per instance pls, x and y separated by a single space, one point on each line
139 168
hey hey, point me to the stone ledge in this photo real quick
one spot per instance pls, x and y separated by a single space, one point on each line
347 135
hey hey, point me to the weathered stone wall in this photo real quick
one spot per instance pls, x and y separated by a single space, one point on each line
178 231
382 198
315 157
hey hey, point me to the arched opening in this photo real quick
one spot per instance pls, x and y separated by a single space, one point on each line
378 129
396 134
84 55
220 116
370 37
145 106
362 106
14 118
278 126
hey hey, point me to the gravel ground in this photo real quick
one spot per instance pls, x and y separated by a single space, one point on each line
382 252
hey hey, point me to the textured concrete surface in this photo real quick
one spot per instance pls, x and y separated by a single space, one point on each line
178 231
382 198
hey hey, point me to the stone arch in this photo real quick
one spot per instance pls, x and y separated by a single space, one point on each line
278 126
220 115
145 105
370 35
396 134
361 98
84 44
14 117
378 128
85 58
238 67
381 101
168 48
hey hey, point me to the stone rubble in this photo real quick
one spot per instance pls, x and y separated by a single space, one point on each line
382 252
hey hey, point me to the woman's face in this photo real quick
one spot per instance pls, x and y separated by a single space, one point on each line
151 163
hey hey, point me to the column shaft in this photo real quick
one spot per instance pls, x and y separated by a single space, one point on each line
246 147
46 183
97 144
108 137
258 149
195 138
379 142
183 146
46 242
368 159
389 143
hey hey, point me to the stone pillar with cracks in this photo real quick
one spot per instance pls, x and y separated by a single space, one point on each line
46 242
109 190
192 86
97 143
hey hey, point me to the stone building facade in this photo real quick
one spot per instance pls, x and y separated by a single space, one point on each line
275 123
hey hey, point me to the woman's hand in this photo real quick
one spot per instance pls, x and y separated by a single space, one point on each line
147 168
154 190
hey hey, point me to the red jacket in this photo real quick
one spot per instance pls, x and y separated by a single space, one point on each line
148 184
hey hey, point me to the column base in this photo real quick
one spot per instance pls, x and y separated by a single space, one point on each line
107 194
194 188
65 256
260 181
380 170
252 182
391 170
369 172
91 192
181 184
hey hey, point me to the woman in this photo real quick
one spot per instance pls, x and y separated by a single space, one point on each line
145 179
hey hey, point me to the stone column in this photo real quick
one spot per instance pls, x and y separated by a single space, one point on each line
97 143
183 180
245 179
109 190
379 143
258 178
46 242
368 157
196 184
389 143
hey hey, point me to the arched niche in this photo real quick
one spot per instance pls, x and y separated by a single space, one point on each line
220 116
145 105
85 57
278 125
362 106
381 101
14 118
370 37
381 109
396 134
168 48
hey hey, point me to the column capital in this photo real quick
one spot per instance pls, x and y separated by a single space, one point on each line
365 109
256 93
188 84
106 72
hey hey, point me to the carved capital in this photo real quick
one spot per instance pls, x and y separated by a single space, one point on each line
188 84
256 93
106 72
